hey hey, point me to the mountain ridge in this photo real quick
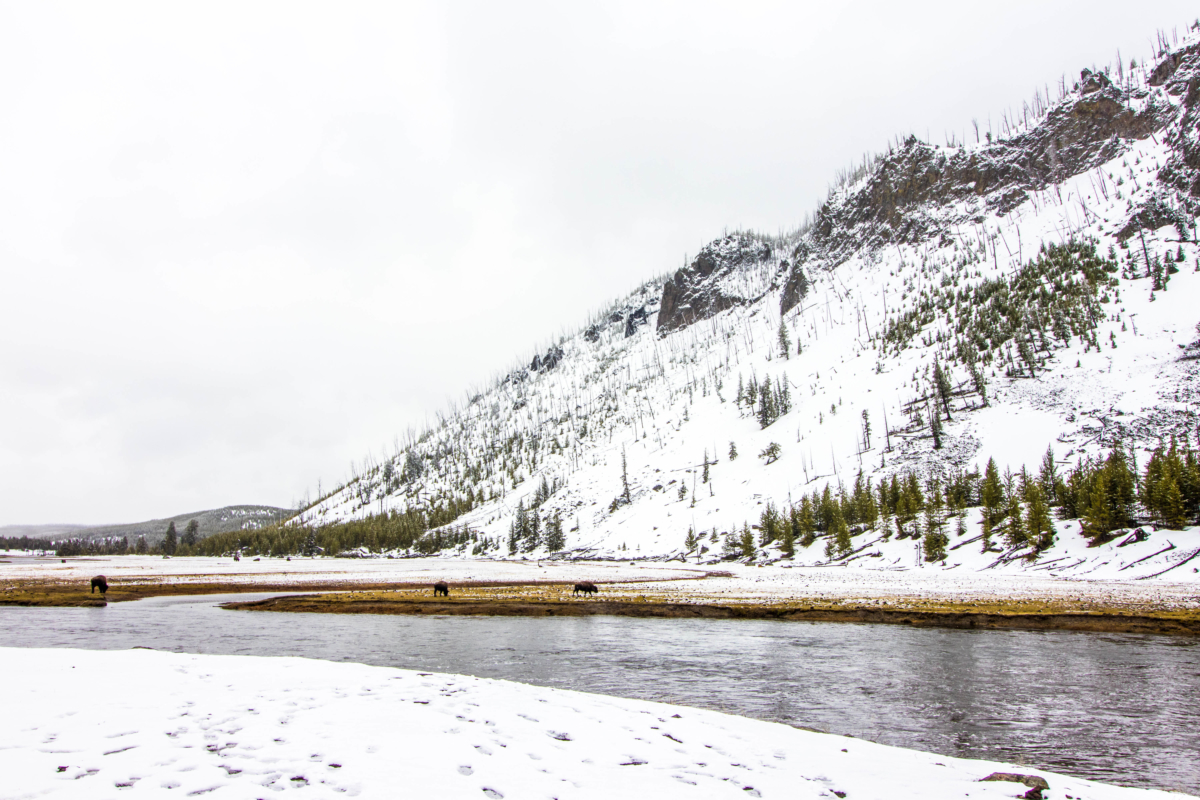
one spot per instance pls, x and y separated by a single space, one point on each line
1016 270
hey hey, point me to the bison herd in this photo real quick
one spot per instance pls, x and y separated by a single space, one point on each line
442 589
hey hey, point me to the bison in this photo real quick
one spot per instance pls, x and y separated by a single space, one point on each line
441 588
587 587
101 583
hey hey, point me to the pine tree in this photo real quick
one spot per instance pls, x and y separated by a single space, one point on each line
170 541
787 540
771 453
770 525
841 532
866 430
533 539
1097 517
191 534
141 548
1038 525
1015 534
806 523
704 477
765 406
733 453
1172 509
556 540
935 428
747 542
785 343
690 542
941 382
310 543
991 495
1048 474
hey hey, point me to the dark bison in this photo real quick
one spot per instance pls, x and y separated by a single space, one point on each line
101 583
587 587
441 589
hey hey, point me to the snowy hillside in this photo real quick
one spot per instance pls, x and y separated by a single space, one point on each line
947 305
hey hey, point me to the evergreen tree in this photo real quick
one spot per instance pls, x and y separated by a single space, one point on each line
690 542
787 540
840 533
141 548
534 538
770 525
1038 525
191 534
733 453
1048 474
991 495
806 523
771 453
935 428
310 543
1015 534
785 343
170 541
704 477
747 542
555 539
941 382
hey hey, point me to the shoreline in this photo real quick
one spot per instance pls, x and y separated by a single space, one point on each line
1005 616
61 594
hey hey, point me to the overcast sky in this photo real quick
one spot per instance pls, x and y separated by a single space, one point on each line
245 244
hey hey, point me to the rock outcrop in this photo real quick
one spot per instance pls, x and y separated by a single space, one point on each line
920 191
702 290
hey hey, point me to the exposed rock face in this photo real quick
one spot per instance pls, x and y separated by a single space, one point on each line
547 362
794 289
697 291
1179 75
920 191
637 318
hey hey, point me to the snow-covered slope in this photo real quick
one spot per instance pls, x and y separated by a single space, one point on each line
924 255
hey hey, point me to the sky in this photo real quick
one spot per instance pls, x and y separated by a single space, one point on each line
245 245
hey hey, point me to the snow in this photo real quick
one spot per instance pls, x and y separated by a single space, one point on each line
143 723
1155 572
250 572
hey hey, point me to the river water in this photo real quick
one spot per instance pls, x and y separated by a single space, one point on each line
1115 707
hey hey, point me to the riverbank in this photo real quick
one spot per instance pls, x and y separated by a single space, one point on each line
558 601
237 726
913 596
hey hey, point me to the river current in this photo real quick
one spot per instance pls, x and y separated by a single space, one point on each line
1114 707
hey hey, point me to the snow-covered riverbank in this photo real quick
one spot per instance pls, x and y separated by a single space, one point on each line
1111 577
144 723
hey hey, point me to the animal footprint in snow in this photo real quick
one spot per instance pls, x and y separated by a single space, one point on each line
483 750
492 793
562 737
465 770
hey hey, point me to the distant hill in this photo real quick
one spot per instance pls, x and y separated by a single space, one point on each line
215 520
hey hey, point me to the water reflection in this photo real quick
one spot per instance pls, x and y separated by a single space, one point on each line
1112 707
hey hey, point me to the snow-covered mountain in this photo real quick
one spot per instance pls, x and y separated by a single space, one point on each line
947 304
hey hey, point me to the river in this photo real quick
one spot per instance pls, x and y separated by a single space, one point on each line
1113 707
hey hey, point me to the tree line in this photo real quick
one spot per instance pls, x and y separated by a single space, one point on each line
1017 509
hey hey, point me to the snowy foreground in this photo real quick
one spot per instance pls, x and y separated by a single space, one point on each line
144 723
